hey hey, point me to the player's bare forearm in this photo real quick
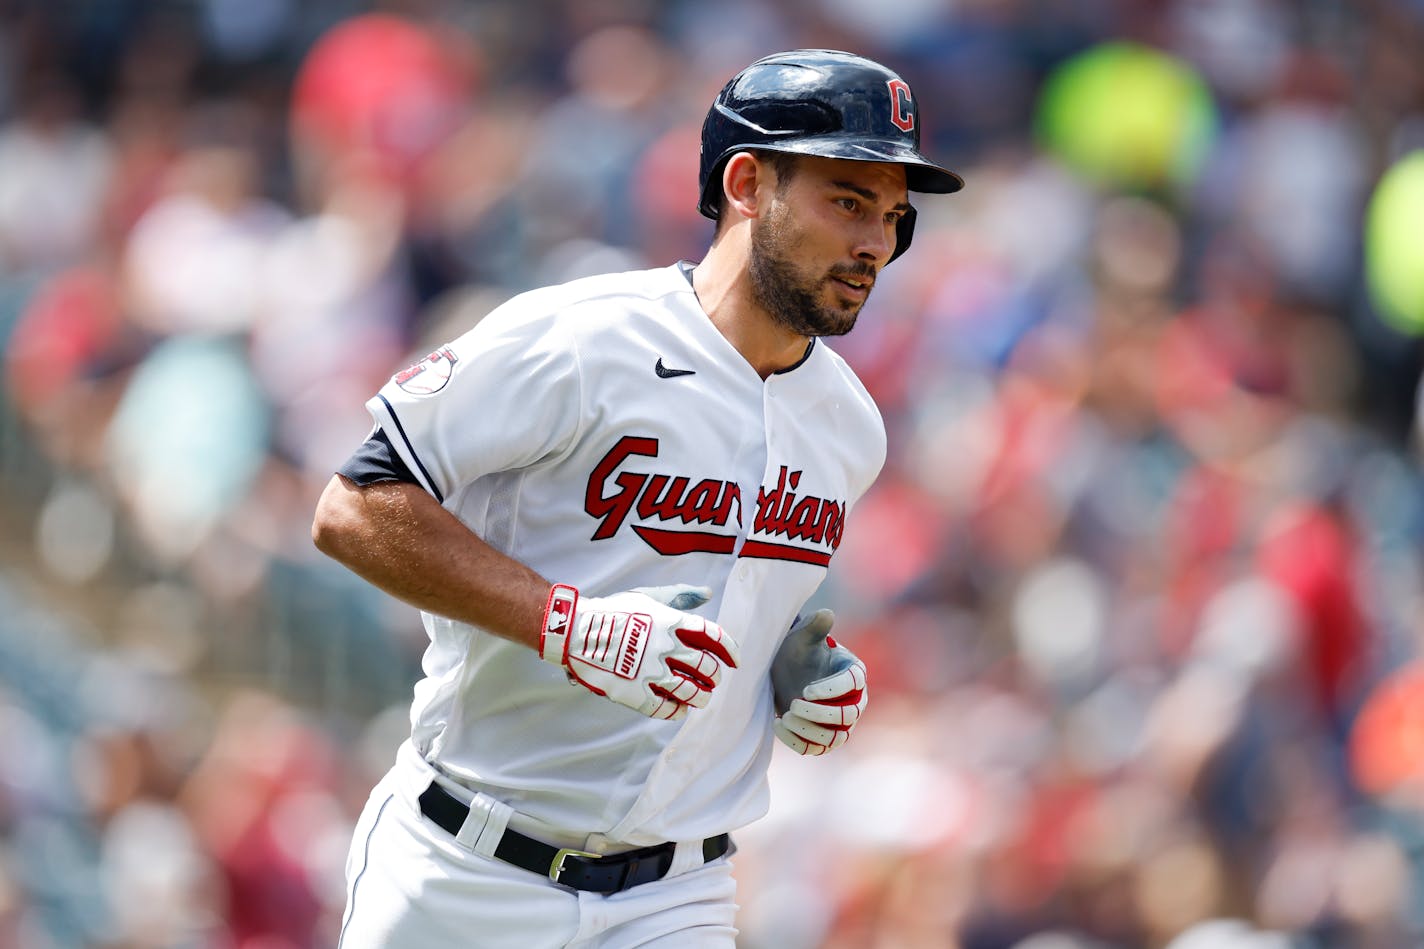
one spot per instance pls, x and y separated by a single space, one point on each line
397 537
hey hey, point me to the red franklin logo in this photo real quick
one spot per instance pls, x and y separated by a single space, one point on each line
615 641
636 638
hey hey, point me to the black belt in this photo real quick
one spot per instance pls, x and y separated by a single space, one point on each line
579 869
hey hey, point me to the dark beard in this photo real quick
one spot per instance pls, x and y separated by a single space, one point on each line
791 297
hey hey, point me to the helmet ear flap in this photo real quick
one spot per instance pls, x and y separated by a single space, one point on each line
904 233
709 204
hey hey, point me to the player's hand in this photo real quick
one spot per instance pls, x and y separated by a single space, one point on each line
819 687
640 648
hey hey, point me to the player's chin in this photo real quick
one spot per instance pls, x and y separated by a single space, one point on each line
838 318
834 328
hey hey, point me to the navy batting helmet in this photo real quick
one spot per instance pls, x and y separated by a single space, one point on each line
820 102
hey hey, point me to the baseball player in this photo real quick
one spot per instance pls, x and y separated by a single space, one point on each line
611 500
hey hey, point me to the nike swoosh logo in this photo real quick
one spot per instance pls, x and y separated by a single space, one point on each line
665 373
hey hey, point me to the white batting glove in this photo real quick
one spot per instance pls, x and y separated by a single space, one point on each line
639 648
819 687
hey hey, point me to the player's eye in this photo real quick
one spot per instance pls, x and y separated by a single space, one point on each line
850 204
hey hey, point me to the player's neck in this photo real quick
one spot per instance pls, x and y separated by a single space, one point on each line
723 287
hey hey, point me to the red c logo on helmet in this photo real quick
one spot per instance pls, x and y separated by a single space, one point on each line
901 112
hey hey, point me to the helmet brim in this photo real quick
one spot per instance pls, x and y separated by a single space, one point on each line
921 174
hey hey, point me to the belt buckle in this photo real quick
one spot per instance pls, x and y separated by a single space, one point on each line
556 866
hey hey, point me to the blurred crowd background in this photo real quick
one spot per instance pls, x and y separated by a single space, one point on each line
1140 586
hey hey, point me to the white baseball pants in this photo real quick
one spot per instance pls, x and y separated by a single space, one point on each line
411 885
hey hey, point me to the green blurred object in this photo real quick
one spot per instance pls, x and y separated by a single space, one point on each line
1394 244
1126 115
188 439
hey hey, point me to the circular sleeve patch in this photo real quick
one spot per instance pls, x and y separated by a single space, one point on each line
429 375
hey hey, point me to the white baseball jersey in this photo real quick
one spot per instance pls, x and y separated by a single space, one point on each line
607 435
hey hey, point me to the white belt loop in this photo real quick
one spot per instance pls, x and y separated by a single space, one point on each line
687 856
484 825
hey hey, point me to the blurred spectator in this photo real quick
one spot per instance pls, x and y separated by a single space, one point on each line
193 259
54 171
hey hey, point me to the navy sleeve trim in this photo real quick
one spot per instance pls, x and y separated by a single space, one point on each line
377 460
400 430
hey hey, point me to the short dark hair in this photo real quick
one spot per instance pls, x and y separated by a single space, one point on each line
783 163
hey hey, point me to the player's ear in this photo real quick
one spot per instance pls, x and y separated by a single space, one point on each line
741 176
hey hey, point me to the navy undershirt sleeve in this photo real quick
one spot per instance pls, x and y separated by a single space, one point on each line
376 460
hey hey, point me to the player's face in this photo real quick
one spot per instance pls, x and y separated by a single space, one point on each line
822 241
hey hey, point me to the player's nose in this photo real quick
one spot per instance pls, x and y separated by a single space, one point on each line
875 242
